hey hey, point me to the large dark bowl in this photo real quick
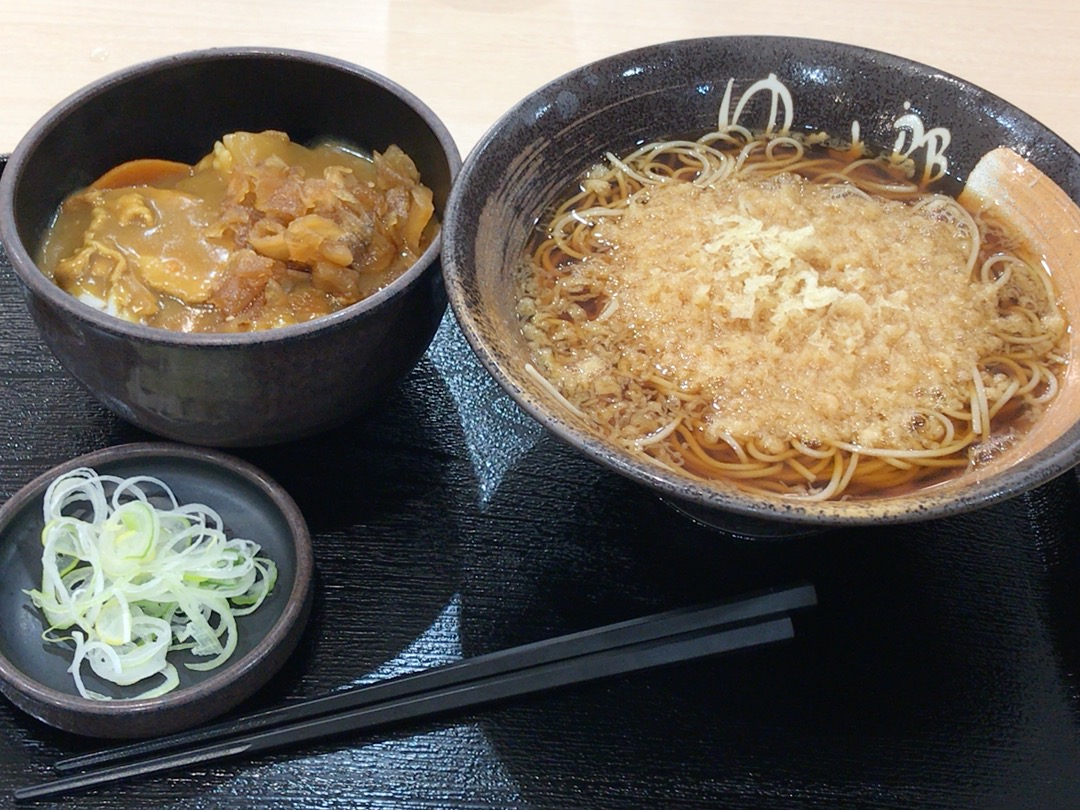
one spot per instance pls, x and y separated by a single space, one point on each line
227 389
534 153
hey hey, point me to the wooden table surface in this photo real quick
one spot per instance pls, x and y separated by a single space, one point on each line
472 59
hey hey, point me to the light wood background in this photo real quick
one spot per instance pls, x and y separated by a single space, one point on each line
472 59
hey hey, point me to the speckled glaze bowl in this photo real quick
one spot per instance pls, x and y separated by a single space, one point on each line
227 389
33 674
533 154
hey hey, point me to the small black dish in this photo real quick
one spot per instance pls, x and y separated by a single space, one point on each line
33 674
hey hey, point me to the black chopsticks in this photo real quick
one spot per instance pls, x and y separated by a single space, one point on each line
651 641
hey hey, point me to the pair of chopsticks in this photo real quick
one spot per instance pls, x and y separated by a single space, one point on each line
665 638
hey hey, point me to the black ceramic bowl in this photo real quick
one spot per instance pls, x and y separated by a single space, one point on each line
227 389
534 154
33 674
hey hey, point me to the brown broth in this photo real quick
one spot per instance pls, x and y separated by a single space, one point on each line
666 397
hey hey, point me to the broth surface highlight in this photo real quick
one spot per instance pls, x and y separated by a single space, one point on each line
260 233
789 318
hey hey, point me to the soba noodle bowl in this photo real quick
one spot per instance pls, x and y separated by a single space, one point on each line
789 317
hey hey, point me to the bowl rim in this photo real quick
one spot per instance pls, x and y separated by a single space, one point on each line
1062 455
36 281
293 616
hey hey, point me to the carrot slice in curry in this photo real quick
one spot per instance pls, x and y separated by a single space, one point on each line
142 172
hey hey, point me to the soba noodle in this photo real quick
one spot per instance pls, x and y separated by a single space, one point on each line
596 348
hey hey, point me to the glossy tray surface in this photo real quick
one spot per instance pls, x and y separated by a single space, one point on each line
940 669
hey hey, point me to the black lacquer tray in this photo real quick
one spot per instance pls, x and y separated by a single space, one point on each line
941 668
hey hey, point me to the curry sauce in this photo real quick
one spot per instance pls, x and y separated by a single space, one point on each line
262 232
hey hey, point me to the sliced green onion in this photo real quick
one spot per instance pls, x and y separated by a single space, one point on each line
128 582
